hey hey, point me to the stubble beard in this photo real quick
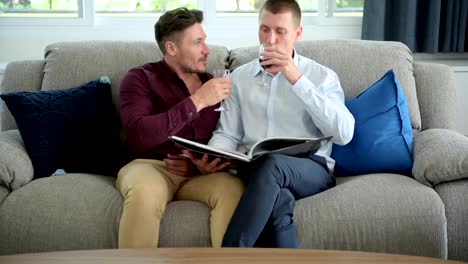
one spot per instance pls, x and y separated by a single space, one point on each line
188 69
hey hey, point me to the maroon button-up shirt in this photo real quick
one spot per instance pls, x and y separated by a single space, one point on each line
155 104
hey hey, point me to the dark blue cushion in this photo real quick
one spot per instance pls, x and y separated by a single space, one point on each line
383 136
73 129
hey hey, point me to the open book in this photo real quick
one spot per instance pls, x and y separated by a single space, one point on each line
281 145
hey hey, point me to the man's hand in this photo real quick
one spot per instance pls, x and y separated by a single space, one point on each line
205 166
211 92
180 165
281 61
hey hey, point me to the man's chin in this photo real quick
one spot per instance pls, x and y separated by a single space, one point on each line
196 70
200 70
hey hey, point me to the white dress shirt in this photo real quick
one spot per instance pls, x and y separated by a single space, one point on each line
312 107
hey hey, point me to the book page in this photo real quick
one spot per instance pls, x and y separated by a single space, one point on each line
205 149
281 145
287 146
274 143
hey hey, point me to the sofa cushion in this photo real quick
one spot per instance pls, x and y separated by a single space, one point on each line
378 213
20 75
383 136
3 193
440 155
72 63
83 211
71 212
15 165
185 224
454 195
72 129
358 64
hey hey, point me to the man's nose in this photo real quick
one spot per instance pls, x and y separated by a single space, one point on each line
206 49
271 38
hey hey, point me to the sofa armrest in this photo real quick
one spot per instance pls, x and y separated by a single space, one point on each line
435 85
15 165
20 76
440 155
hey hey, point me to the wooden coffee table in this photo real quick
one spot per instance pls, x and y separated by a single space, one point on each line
209 255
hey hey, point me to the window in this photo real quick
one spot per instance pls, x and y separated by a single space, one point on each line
348 7
252 6
83 12
46 12
309 7
140 7
39 8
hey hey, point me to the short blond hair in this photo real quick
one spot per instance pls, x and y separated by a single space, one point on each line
282 6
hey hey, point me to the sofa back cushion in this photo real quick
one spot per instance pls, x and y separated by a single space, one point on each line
69 64
73 129
358 64
20 76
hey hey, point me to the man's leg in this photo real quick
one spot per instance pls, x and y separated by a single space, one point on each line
280 224
221 193
146 187
279 230
267 176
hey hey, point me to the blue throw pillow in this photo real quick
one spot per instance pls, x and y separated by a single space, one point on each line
72 129
383 136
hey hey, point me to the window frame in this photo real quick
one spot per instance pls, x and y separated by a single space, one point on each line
88 17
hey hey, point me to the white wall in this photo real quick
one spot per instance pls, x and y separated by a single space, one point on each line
461 79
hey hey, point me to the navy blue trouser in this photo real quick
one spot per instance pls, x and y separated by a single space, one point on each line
264 215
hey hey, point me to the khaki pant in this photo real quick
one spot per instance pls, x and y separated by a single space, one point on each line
147 186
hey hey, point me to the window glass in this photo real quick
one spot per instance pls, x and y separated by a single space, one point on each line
348 7
338 7
141 6
246 6
38 8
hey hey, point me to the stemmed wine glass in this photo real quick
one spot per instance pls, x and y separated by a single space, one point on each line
218 73
262 58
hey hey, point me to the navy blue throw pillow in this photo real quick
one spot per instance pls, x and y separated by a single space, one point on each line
72 129
383 136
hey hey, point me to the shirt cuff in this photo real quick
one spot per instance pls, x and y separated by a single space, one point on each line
187 113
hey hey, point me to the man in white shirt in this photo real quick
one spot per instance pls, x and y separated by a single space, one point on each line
303 99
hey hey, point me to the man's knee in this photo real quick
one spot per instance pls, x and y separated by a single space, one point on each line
266 169
142 188
228 185
147 197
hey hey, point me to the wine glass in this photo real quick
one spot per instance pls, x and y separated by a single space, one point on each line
218 73
262 58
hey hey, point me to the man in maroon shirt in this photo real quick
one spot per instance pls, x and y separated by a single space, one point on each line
174 96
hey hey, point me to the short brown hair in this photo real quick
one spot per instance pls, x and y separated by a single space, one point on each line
173 22
281 6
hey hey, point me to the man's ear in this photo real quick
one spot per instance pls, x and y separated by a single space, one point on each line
171 48
299 32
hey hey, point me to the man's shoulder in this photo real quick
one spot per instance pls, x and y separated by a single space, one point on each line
246 68
143 72
309 64
147 67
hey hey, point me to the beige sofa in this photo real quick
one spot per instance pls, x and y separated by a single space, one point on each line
425 215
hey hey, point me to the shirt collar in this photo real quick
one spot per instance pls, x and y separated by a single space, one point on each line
169 74
259 68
